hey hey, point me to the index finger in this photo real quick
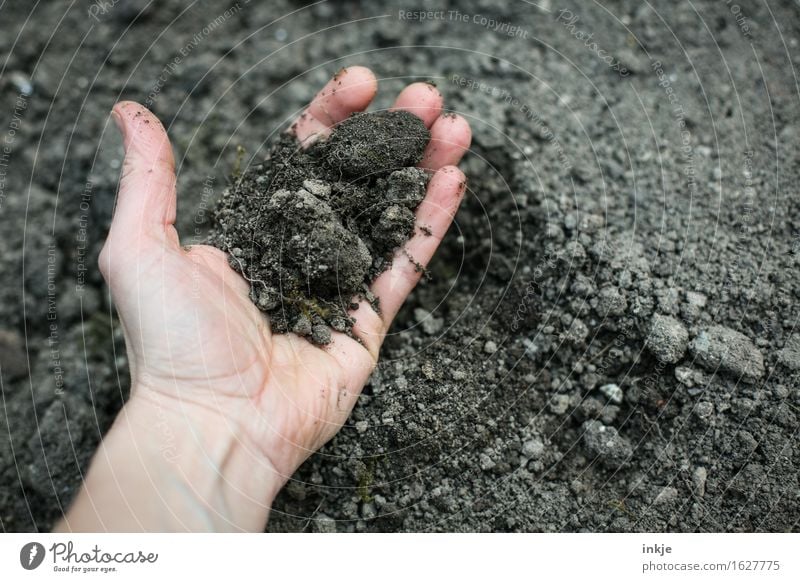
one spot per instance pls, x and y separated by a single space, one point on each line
350 90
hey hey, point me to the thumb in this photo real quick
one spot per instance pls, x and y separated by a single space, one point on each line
145 210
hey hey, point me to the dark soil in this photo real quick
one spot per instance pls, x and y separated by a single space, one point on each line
310 230
609 337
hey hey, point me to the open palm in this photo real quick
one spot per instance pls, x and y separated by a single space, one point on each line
195 340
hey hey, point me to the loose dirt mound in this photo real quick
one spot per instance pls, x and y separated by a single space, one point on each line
310 229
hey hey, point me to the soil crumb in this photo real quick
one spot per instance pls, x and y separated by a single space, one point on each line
310 229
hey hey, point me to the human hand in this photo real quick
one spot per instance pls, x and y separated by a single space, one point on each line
222 411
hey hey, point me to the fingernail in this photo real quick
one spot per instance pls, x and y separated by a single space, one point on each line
118 121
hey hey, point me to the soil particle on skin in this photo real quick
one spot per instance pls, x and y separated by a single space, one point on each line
311 229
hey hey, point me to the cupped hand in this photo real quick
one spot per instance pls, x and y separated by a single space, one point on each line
210 383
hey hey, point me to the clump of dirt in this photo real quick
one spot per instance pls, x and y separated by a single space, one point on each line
310 229
377 142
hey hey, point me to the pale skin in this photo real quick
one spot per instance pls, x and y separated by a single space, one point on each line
222 412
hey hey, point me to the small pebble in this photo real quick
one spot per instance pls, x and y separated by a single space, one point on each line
704 410
368 510
610 302
325 524
789 356
486 462
684 375
604 442
668 338
666 495
699 478
533 449
430 325
613 392
559 404
13 359
21 82
696 299
727 350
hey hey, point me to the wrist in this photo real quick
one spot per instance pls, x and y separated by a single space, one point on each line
170 465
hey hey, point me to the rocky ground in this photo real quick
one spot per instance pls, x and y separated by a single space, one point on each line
608 340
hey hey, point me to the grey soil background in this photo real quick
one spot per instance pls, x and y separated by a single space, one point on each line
608 337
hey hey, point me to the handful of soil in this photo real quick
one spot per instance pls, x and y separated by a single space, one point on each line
311 229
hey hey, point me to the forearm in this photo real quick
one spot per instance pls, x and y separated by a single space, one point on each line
160 469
